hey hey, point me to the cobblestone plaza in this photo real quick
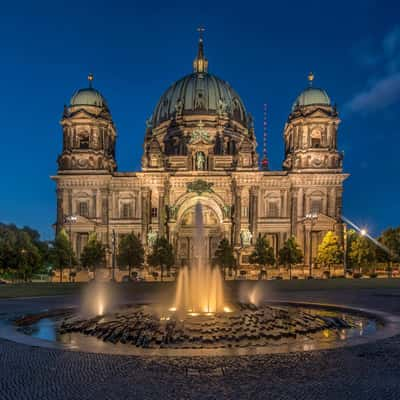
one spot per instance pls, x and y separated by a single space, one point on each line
361 372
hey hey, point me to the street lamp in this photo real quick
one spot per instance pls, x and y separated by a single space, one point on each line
363 232
70 219
312 217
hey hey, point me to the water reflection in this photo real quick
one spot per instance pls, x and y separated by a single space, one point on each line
47 329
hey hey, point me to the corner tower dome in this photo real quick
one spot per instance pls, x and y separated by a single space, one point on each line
88 96
199 93
312 96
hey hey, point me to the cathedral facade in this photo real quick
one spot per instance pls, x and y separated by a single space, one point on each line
200 146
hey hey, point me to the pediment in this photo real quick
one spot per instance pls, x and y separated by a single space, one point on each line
319 112
81 114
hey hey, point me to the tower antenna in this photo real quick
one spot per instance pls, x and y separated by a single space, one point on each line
264 161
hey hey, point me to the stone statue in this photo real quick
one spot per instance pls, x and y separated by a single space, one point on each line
226 209
221 107
151 238
172 211
199 101
200 161
250 121
179 107
149 123
246 237
95 140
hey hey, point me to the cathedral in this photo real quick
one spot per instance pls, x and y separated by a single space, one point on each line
200 146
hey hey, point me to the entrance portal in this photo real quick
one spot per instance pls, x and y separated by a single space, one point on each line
186 228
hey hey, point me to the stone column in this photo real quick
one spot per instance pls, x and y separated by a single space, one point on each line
254 211
70 209
161 211
104 206
98 205
331 202
285 208
300 202
145 214
94 205
292 211
60 209
325 203
238 213
338 204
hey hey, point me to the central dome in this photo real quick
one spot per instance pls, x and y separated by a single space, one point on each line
199 93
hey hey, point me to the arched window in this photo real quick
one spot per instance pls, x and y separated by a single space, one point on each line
84 141
83 209
272 205
316 206
273 209
126 210
316 138
316 203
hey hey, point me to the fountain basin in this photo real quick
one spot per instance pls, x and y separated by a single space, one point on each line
270 328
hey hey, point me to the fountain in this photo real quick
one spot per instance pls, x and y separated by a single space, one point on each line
199 287
199 320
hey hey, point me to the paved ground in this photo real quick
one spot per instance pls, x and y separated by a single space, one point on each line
362 372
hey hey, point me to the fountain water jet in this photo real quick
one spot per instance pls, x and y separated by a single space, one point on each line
199 288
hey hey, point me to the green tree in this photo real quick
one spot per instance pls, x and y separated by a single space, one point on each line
62 254
162 255
130 252
330 251
362 253
94 254
290 254
262 255
8 251
350 237
390 239
224 257
29 259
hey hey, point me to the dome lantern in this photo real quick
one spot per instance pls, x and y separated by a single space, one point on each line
200 63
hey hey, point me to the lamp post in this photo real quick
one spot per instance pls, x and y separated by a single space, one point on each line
23 252
70 219
312 217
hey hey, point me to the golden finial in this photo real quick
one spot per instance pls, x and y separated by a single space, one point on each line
90 79
310 78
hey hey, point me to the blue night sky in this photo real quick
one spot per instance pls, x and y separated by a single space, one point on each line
137 49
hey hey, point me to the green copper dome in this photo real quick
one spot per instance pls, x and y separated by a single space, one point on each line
312 96
88 97
200 93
